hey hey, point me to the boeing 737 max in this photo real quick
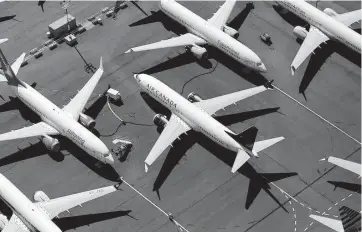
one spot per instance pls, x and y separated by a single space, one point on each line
323 26
55 120
214 32
196 115
31 217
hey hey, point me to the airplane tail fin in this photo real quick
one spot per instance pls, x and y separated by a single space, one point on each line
247 139
8 71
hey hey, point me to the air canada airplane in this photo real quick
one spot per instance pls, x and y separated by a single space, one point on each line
55 120
323 26
346 164
195 113
31 217
350 220
213 31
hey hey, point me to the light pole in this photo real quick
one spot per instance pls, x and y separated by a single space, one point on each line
65 4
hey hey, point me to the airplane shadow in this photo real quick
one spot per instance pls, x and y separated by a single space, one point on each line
104 170
160 17
321 55
240 18
15 104
5 209
345 185
6 18
32 151
257 181
73 222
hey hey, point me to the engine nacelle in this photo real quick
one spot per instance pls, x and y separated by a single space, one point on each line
300 32
51 143
231 32
160 120
87 121
193 97
199 52
330 12
40 196
3 221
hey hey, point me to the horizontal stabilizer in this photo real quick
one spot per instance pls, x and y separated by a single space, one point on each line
3 40
261 145
334 224
17 64
240 160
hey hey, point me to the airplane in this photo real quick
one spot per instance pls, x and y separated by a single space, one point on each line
348 165
56 121
28 216
195 113
213 31
350 220
324 26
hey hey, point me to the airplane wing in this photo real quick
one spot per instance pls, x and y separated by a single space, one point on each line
58 205
183 40
15 67
222 15
334 224
37 129
77 104
346 164
214 104
350 17
15 225
313 39
174 128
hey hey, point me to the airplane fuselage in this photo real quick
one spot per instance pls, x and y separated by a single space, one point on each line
212 35
62 122
29 216
328 25
190 113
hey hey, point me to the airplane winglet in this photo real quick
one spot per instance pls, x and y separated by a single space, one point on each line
146 167
3 40
292 68
101 63
128 51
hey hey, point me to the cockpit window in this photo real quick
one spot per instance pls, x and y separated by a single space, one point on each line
259 64
106 155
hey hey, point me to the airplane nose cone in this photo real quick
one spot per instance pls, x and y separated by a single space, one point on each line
262 68
110 159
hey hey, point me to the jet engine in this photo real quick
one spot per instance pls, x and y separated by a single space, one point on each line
40 196
193 97
231 32
199 52
3 221
330 12
160 120
87 121
300 32
51 143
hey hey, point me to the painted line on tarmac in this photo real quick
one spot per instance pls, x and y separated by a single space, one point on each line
171 218
319 116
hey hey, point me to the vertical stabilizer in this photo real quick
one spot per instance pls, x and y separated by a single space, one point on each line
8 72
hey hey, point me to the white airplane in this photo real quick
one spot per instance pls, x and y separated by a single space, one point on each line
213 31
195 113
28 216
350 220
348 165
55 120
323 26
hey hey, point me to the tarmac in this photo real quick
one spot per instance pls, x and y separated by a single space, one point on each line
192 180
